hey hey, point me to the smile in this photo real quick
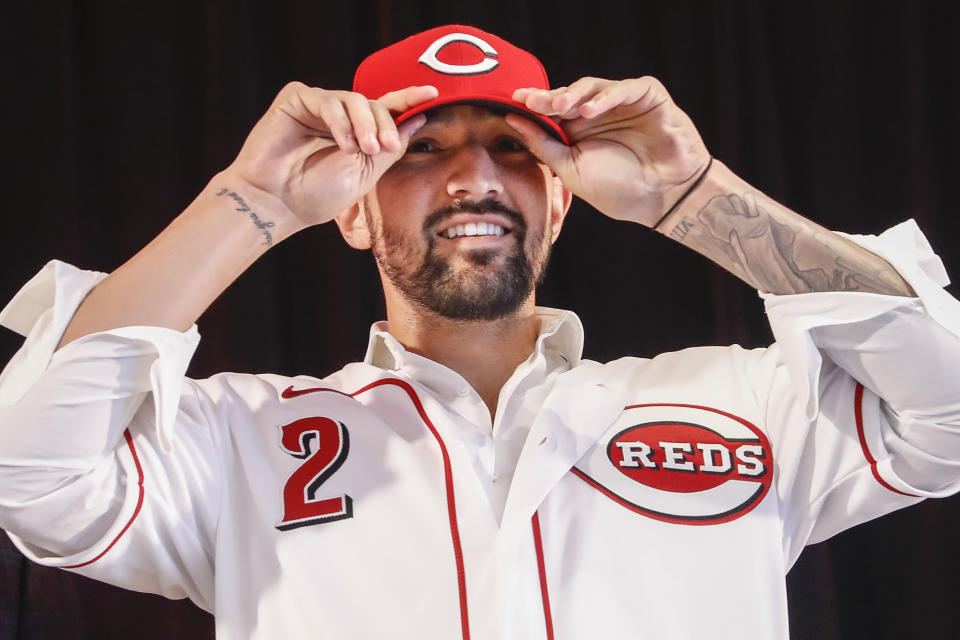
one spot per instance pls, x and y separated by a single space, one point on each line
473 229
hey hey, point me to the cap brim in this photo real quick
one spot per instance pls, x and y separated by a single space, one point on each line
492 102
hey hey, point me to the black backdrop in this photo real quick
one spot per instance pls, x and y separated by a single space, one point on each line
115 115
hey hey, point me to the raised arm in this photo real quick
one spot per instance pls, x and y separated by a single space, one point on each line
82 430
312 155
771 247
636 156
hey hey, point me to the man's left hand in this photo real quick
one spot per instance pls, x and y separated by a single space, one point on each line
633 152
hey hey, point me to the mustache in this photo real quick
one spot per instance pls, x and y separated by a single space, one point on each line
487 205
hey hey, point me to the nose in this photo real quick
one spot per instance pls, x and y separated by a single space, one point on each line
474 175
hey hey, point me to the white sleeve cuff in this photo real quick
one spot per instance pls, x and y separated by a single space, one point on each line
41 311
794 317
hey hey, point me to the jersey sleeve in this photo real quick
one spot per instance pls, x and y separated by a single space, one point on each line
874 380
87 476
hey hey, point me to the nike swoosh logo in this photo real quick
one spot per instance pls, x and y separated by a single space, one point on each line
290 392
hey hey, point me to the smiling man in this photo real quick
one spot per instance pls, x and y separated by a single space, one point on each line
473 477
486 241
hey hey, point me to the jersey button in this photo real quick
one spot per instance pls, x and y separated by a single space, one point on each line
463 391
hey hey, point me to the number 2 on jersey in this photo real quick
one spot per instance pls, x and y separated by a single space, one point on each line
323 445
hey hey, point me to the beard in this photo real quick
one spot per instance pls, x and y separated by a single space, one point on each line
482 290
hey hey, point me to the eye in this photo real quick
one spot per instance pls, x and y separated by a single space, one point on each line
509 144
423 145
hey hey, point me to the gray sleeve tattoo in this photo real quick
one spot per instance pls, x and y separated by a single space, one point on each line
782 254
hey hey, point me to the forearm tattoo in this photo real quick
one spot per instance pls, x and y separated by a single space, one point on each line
243 207
777 255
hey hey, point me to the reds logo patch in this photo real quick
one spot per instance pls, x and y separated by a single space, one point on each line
683 464
487 63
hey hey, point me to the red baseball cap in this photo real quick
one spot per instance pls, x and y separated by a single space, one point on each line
465 64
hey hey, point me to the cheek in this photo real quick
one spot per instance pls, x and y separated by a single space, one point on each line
409 181
388 188
535 200
540 188
398 204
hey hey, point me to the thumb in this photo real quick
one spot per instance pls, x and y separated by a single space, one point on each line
385 159
548 149
406 130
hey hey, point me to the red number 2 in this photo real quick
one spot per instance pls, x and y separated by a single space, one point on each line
332 443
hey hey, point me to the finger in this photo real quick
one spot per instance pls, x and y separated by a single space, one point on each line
404 99
317 111
619 93
521 94
539 100
545 147
409 128
567 103
364 124
335 119
386 129
562 101
406 130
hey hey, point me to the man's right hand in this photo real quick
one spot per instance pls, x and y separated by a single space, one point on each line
310 157
317 152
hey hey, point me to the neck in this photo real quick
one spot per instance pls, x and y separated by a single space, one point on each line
485 353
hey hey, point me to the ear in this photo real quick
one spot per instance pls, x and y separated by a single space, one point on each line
559 205
353 227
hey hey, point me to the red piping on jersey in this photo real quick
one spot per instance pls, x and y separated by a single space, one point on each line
693 406
136 461
858 414
289 392
547 617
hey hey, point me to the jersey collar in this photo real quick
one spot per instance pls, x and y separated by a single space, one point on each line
561 332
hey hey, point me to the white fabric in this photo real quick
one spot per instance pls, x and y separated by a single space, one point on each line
498 444
208 520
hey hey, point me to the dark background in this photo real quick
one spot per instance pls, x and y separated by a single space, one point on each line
116 115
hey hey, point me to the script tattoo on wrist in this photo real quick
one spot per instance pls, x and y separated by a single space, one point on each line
243 207
768 251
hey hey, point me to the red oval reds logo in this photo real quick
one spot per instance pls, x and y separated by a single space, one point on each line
681 463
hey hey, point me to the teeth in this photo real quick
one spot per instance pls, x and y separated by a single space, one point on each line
474 229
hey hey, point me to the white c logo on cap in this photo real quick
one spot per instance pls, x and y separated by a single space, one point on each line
488 64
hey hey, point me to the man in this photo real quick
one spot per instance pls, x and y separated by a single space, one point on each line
473 477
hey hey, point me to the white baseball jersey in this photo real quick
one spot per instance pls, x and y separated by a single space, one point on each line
655 498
